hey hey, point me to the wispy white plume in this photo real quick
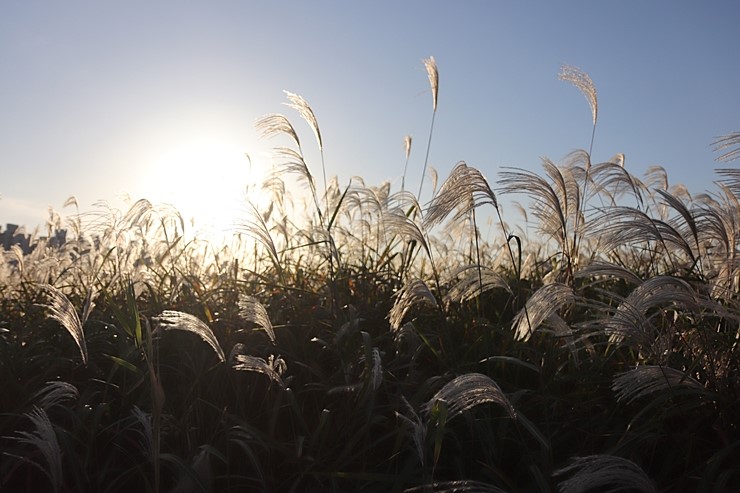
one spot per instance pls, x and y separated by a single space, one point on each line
304 109
413 293
545 301
648 379
583 82
175 320
431 65
464 190
254 311
62 310
45 440
468 391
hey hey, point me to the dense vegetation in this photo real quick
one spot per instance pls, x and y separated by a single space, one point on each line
380 345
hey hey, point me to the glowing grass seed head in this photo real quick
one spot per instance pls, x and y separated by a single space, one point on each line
431 65
583 82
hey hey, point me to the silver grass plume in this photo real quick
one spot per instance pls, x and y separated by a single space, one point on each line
656 177
614 180
648 379
45 440
608 270
245 362
62 310
253 311
276 124
304 109
630 318
730 179
55 392
16 254
71 200
175 320
626 226
543 303
254 225
464 190
137 215
474 280
413 293
459 486
407 146
555 203
292 161
434 175
583 82
398 223
431 66
468 391
604 473
729 141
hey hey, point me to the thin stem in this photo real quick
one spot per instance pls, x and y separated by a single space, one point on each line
426 157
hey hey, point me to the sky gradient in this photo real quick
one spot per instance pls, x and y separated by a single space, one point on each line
158 99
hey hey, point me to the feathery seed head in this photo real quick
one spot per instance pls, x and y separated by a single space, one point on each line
431 65
468 391
729 141
171 319
583 82
274 124
62 310
304 109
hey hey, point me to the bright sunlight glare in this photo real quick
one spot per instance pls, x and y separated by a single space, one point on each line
208 182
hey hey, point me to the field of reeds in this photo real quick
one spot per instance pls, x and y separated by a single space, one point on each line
373 343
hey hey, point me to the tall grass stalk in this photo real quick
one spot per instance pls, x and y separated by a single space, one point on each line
431 67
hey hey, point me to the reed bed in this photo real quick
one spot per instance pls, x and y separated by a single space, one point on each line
374 343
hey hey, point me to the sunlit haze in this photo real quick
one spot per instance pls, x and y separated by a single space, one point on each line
158 100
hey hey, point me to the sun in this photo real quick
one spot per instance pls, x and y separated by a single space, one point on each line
207 181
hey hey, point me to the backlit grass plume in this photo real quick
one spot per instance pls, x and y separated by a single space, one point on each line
253 311
44 438
583 82
414 293
543 303
645 380
245 362
277 124
604 473
464 190
468 391
175 320
304 109
431 66
62 310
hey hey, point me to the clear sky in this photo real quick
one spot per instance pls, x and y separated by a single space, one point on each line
158 99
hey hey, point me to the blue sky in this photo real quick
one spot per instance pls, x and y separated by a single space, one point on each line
158 99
